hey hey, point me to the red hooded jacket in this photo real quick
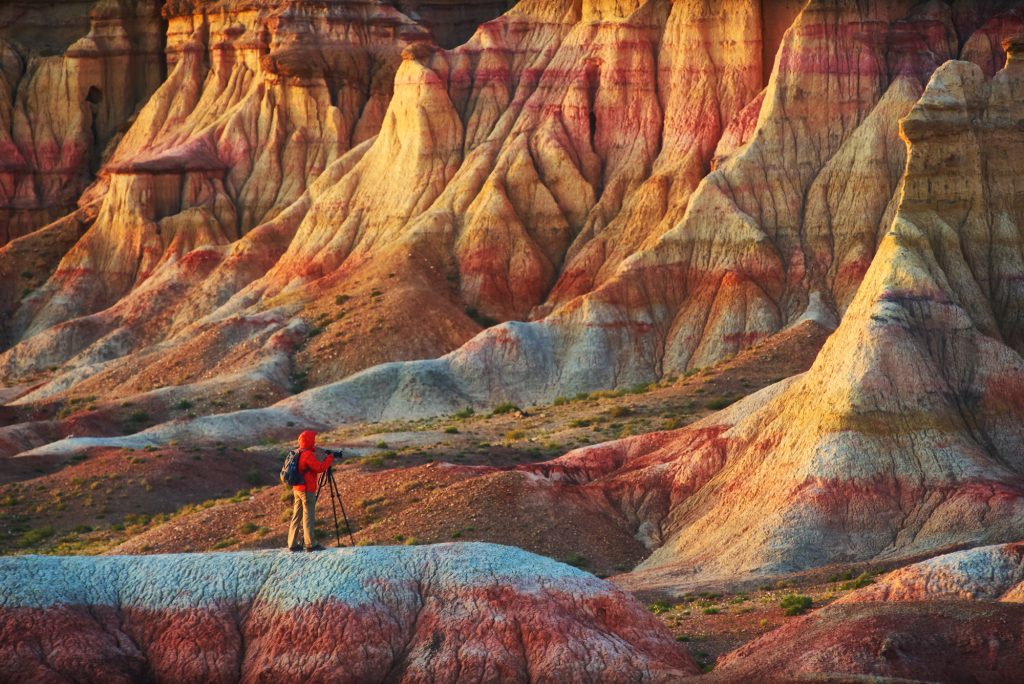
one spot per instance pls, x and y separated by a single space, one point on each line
309 465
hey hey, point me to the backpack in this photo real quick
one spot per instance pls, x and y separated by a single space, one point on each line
290 473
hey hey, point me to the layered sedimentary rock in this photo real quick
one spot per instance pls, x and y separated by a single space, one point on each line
510 161
904 437
71 75
955 617
466 612
500 185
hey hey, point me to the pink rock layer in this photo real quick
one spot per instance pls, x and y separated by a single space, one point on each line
448 613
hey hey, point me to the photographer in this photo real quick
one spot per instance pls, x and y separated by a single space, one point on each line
312 461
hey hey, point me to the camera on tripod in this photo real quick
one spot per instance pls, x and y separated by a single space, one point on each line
328 483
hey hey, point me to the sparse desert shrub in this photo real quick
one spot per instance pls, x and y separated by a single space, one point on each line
254 476
464 413
576 559
659 607
183 405
247 528
342 299
621 411
34 536
451 430
381 445
224 543
795 604
711 610
375 459
720 403
559 401
513 435
862 580
138 416
503 408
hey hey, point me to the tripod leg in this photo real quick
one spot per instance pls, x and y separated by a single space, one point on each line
333 492
348 527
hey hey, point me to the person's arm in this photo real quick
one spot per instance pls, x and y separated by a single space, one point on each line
318 466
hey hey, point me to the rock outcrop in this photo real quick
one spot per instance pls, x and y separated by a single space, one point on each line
453 613
499 187
952 618
71 76
903 438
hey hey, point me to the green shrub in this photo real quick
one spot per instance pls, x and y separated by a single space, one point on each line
711 611
503 408
464 413
451 430
183 405
721 403
342 299
254 476
862 580
577 560
247 528
559 401
224 543
659 607
795 604
34 536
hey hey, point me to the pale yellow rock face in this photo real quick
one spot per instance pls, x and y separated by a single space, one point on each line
906 434
70 77
616 179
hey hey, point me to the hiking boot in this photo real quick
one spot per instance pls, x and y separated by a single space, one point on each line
318 547
293 549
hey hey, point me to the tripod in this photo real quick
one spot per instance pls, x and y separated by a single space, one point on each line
327 482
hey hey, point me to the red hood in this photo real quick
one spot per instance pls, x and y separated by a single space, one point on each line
307 440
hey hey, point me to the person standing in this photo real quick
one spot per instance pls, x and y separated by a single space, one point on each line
312 462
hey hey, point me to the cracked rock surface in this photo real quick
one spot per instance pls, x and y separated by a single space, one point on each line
445 613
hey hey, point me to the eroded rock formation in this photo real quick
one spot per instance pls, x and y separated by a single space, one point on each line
71 76
955 617
454 612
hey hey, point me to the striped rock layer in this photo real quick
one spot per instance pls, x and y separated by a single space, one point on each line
956 617
273 186
448 613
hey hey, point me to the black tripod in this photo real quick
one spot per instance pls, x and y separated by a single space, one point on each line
327 482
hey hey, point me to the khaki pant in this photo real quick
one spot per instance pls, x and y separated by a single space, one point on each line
304 511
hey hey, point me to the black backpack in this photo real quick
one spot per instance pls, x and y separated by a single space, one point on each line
290 473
